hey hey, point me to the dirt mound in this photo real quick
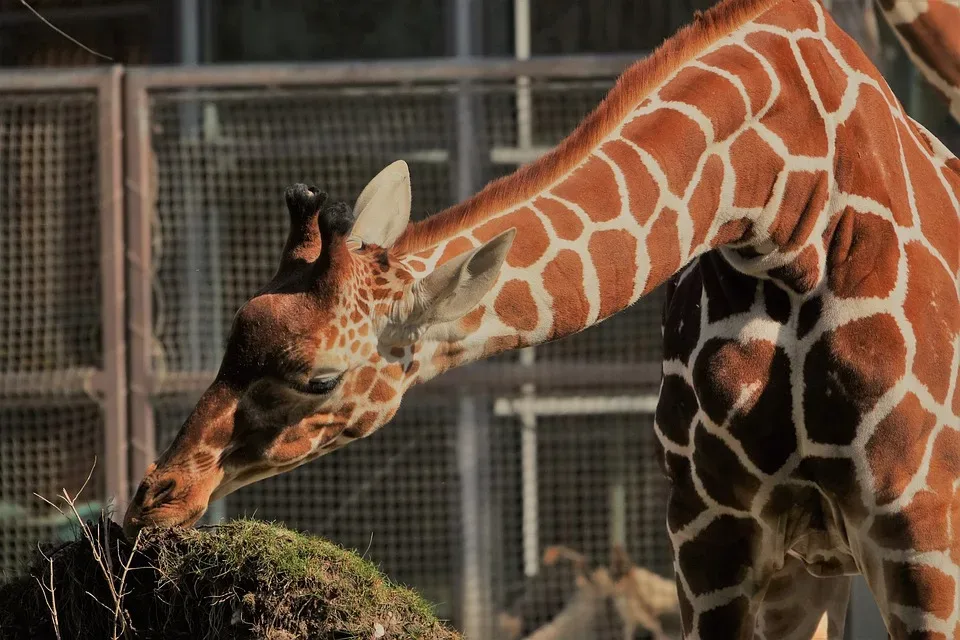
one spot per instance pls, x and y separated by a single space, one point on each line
244 579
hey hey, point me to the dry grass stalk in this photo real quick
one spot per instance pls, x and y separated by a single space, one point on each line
121 623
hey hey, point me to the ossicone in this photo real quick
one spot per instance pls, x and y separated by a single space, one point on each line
304 203
303 240
335 221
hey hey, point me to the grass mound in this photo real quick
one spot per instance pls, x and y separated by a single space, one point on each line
244 579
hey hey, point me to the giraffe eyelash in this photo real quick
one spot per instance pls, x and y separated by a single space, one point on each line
321 385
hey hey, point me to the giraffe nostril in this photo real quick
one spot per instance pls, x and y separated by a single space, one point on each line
162 491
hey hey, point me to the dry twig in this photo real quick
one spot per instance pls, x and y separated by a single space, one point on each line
121 626
61 32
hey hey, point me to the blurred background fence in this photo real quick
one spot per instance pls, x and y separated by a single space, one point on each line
140 206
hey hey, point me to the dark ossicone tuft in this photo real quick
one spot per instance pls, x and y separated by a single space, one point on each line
304 202
303 239
336 219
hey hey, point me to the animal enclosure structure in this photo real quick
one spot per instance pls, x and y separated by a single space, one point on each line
112 327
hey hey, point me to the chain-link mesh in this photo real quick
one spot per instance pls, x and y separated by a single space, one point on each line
43 451
49 250
51 431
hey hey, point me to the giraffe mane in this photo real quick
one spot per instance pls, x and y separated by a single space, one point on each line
633 85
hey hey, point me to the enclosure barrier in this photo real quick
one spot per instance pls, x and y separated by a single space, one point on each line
63 387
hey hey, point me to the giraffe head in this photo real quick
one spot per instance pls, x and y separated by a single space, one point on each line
322 355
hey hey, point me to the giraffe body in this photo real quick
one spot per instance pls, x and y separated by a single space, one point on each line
807 231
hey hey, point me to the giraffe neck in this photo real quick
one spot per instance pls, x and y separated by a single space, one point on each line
930 33
733 147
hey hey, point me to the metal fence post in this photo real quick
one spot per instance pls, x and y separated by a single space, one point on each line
140 203
114 376
473 453
473 442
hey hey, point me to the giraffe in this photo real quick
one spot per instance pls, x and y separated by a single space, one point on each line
574 602
929 31
806 230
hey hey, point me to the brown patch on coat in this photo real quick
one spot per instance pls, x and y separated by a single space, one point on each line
804 197
794 116
663 249
563 281
614 256
643 191
933 311
736 60
706 199
922 586
939 222
593 187
896 448
847 371
862 256
566 224
455 247
921 526
677 161
724 105
802 274
531 240
828 78
868 157
382 391
516 307
757 167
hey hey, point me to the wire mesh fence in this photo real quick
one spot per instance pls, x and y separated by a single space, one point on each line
61 392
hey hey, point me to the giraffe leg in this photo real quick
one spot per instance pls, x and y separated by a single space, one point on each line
801 606
911 562
719 566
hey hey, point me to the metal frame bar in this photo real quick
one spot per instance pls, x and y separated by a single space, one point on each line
381 72
140 210
503 379
34 80
114 388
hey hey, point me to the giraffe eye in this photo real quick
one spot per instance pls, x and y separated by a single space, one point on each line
320 385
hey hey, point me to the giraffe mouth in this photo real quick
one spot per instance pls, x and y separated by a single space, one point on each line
134 524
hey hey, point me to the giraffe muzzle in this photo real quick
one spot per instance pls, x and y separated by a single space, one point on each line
164 502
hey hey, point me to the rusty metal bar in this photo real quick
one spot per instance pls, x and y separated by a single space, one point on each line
58 384
391 72
138 188
51 80
598 378
114 393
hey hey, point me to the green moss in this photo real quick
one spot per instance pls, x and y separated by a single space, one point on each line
241 579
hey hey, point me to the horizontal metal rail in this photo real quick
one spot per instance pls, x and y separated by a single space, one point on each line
378 72
61 80
55 383
492 378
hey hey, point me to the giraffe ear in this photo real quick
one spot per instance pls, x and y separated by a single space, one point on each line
456 287
383 208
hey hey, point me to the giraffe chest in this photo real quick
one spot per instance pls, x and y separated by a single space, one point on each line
726 416
729 382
